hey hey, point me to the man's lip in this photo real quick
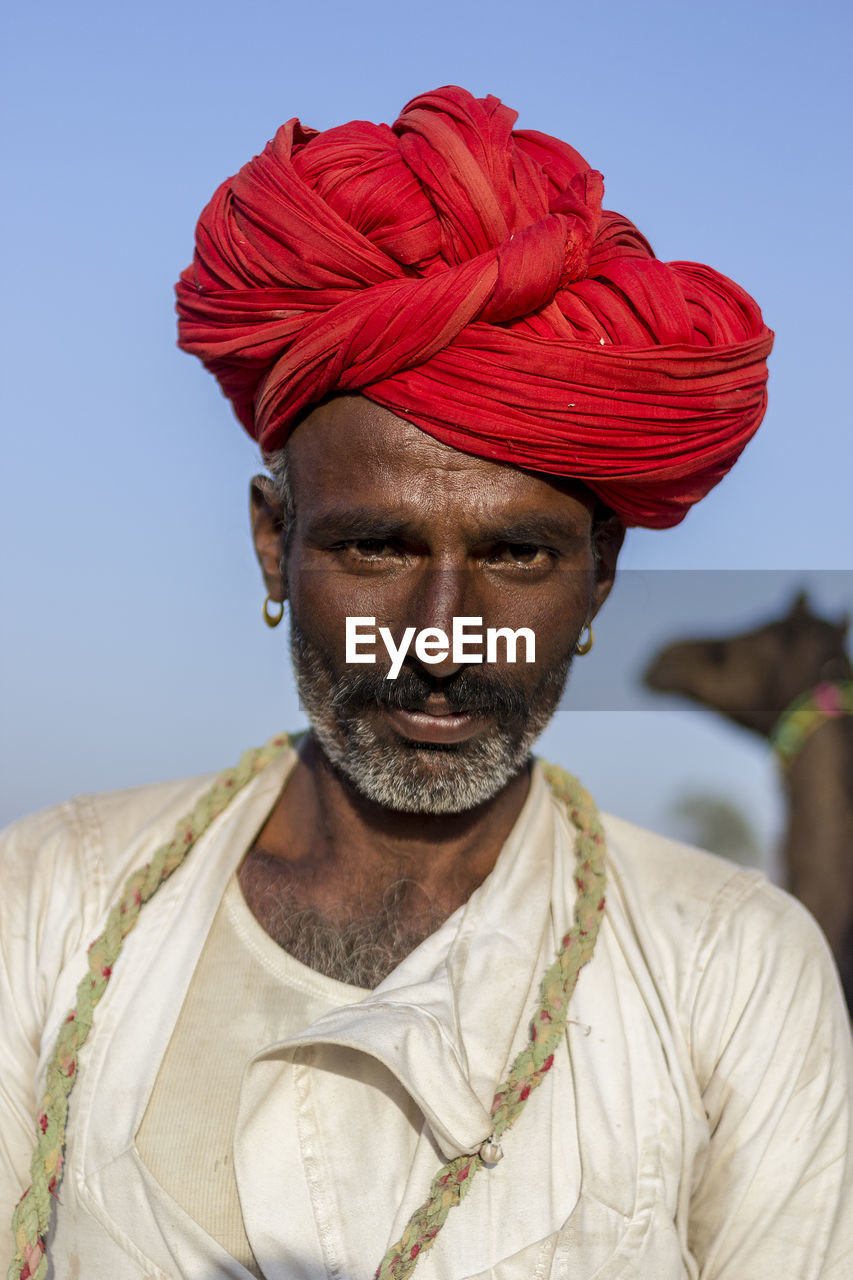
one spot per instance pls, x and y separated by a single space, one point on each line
440 727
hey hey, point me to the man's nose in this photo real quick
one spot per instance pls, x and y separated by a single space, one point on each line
442 595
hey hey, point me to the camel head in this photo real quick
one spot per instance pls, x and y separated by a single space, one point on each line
753 676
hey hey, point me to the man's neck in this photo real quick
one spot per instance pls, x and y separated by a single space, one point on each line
327 853
325 830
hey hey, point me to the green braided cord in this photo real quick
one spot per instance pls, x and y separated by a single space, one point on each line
31 1219
453 1181
808 712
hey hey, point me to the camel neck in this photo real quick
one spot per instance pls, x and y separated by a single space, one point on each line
808 713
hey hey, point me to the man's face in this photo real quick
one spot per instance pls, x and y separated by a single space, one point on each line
394 525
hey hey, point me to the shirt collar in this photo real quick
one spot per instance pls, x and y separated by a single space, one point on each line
449 1019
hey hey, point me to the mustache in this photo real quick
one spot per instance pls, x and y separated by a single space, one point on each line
481 694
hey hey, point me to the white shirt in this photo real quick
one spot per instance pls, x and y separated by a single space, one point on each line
700 1129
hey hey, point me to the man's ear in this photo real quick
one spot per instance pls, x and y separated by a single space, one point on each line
268 535
608 536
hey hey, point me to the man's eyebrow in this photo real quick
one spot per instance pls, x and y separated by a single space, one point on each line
357 522
536 529
350 523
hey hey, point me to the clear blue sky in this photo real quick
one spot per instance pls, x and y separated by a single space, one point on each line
132 640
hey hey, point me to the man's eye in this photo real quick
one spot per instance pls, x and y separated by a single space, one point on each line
371 548
527 554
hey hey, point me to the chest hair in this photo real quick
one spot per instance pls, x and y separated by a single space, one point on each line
356 936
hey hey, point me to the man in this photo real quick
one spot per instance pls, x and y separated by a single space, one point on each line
350 1032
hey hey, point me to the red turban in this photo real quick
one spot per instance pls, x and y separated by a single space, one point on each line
466 277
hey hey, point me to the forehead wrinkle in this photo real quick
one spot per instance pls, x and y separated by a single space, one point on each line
504 504
352 446
491 496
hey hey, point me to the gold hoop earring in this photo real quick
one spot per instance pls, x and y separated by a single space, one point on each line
584 646
273 619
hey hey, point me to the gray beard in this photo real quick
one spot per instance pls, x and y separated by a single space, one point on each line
409 777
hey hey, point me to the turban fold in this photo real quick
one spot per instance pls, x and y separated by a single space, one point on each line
465 276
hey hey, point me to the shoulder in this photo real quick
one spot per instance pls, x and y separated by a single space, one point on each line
700 900
649 864
98 826
688 891
729 947
61 868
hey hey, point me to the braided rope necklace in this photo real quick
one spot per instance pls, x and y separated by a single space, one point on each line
31 1218
806 714
453 1182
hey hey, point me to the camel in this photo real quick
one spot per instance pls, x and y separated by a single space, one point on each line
752 678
